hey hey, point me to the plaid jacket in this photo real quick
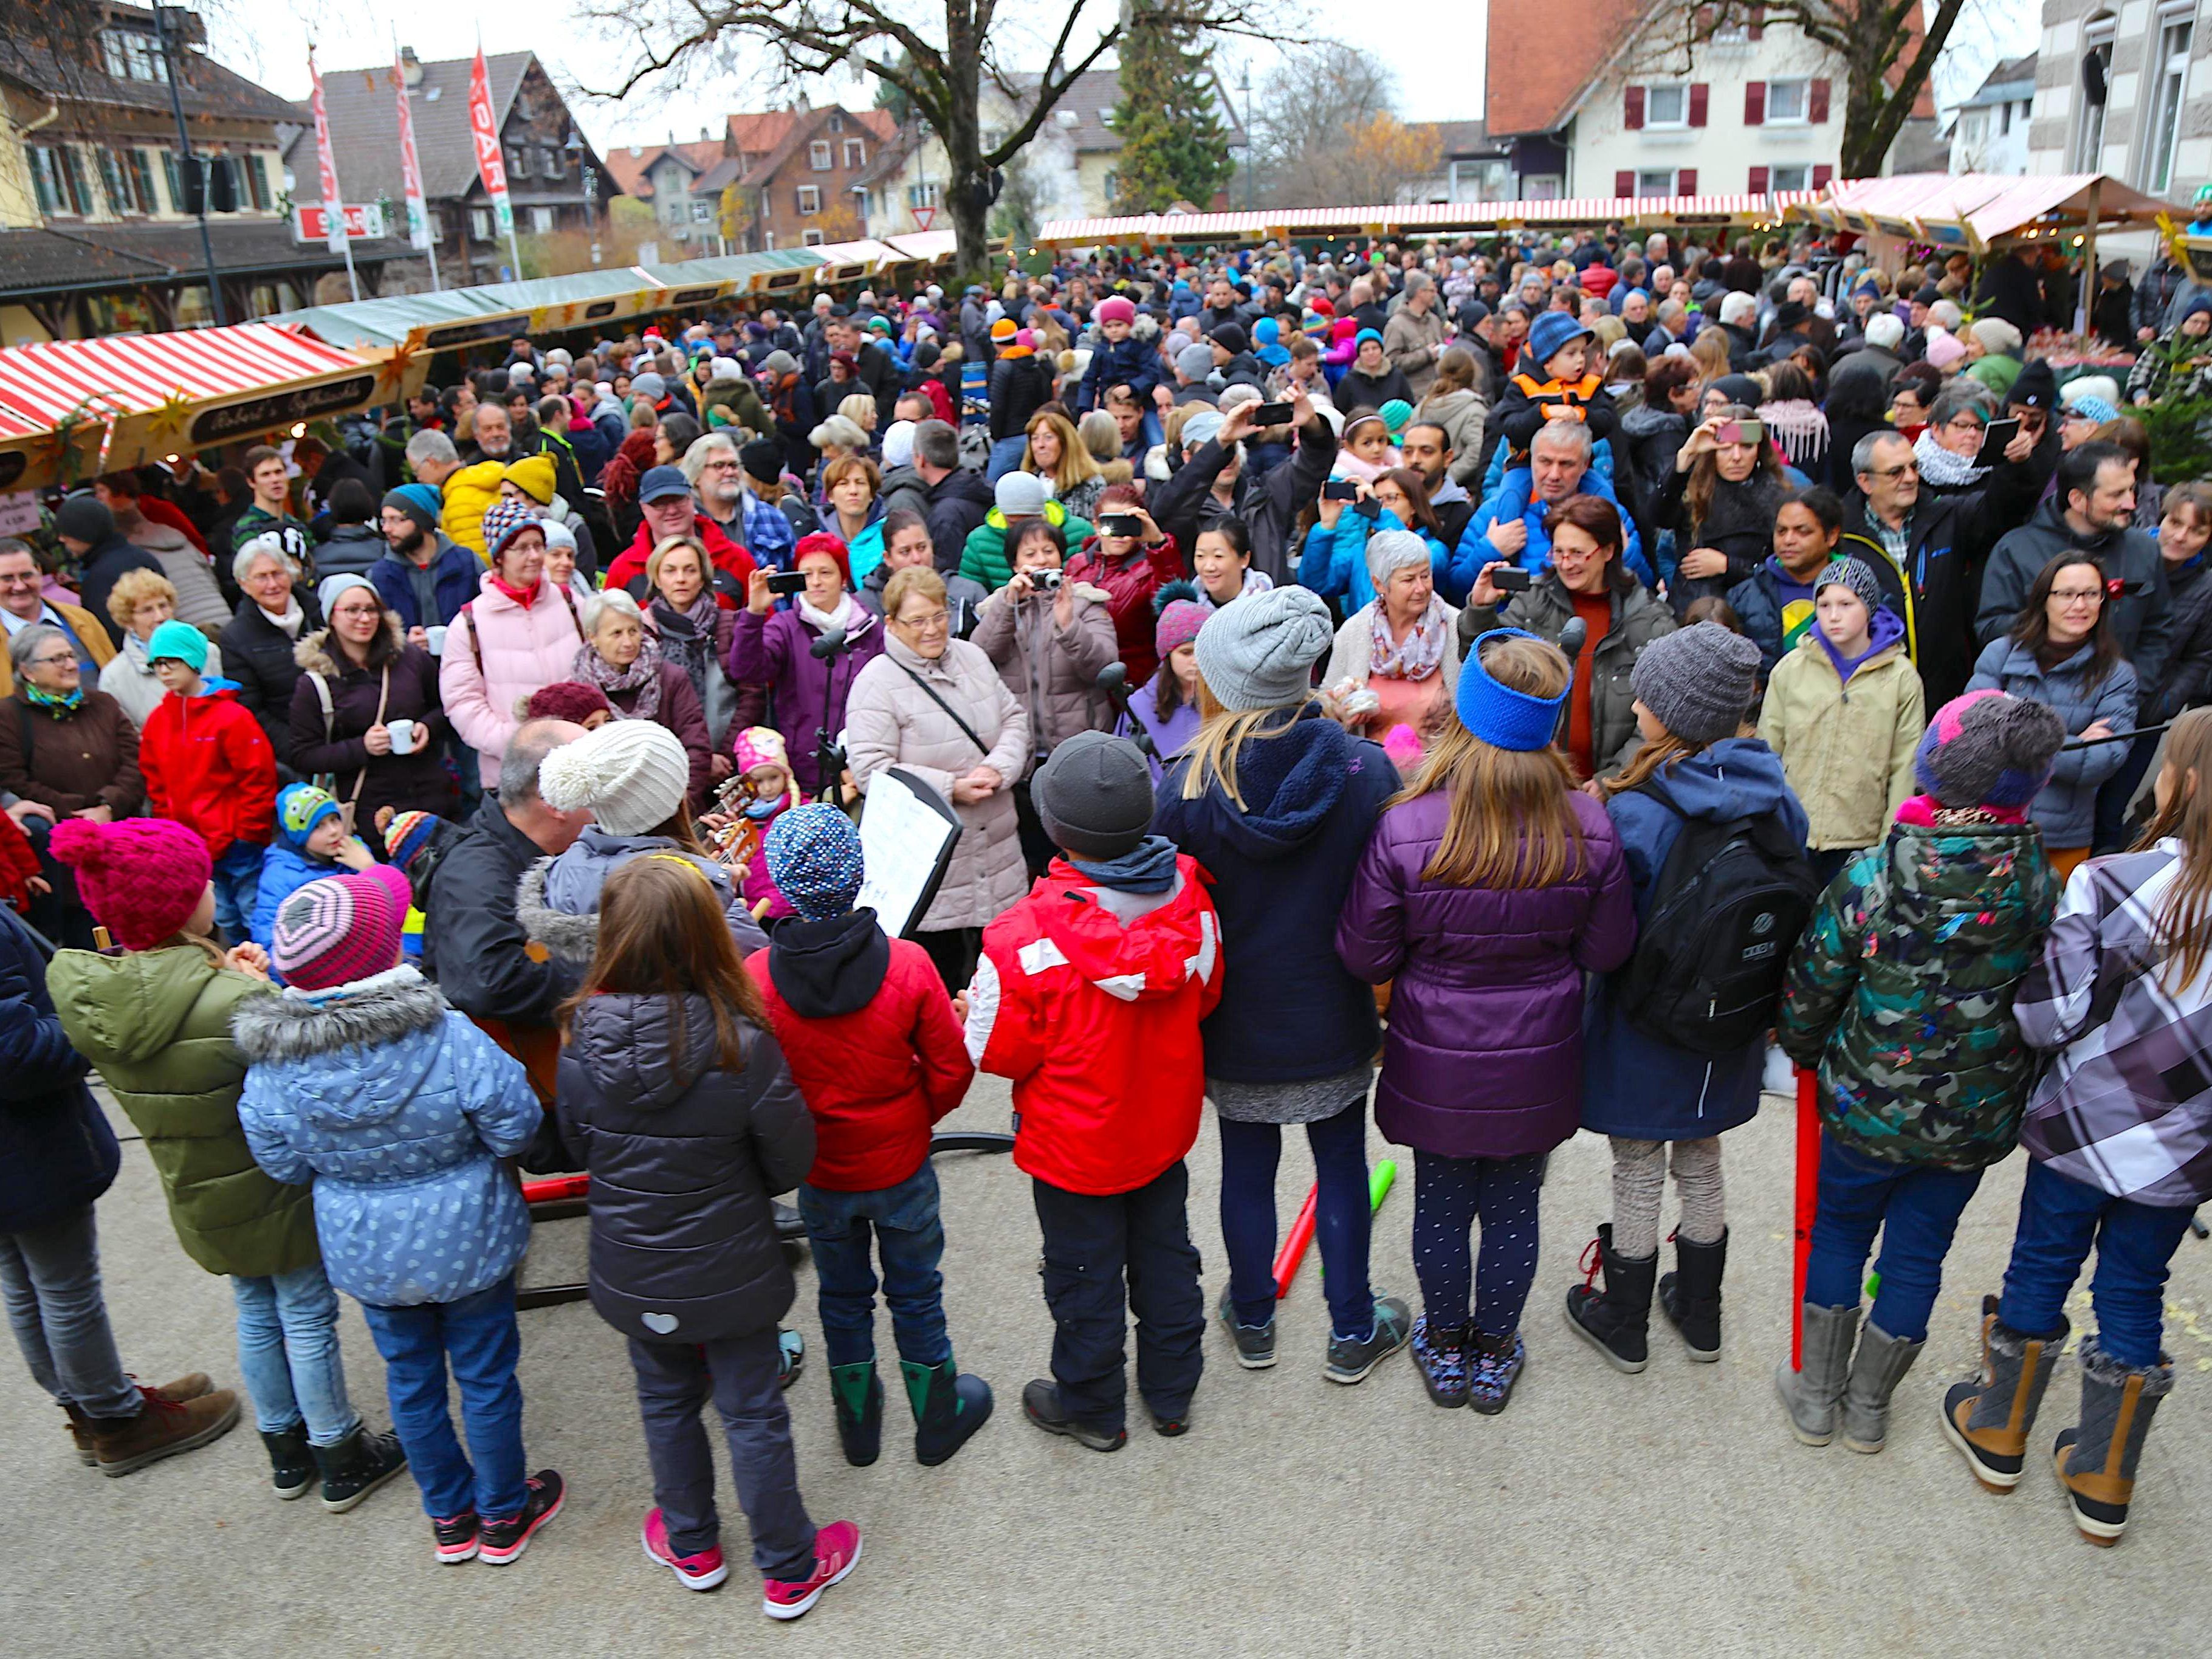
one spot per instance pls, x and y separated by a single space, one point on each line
2126 1105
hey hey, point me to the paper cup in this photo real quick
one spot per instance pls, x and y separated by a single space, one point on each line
436 636
402 736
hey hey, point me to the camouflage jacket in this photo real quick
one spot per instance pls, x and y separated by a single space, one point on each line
1901 993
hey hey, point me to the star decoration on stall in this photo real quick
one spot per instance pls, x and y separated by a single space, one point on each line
170 415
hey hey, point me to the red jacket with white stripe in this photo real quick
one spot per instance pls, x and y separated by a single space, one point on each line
1096 1020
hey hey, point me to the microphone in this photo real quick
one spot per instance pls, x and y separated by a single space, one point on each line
833 641
1571 637
1113 680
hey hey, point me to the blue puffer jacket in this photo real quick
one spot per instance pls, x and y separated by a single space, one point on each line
1334 562
398 1109
1514 498
1636 1085
57 1152
285 870
2066 809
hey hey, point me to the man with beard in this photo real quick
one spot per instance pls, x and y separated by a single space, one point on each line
497 440
426 577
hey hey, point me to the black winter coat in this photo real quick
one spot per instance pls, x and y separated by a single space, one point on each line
415 783
57 1152
682 1157
1269 507
1019 387
259 655
351 549
101 568
472 945
959 503
2187 679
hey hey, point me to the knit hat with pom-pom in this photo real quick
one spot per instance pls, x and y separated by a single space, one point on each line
633 774
142 878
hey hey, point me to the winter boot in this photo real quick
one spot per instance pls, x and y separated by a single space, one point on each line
1440 1352
1876 1369
291 1461
1989 1420
948 1408
1498 1362
356 1467
1691 1295
857 1395
2097 1459
191 1386
1617 1320
164 1428
1811 1395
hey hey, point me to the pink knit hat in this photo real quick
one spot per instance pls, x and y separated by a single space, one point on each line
1178 624
337 929
142 878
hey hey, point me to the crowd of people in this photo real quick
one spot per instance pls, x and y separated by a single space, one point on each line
1537 687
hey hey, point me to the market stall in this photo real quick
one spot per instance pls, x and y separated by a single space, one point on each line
1755 210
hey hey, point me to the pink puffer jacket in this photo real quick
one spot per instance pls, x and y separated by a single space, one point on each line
496 655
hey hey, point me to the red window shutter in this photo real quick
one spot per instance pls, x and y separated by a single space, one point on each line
1816 103
1685 181
1632 114
1623 183
1701 96
1756 25
1754 103
1821 175
1758 178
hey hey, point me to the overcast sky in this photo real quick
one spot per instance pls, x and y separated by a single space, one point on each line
268 40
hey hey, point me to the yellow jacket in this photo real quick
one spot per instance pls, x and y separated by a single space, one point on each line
467 493
97 644
1847 752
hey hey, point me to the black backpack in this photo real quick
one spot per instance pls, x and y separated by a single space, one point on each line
1726 914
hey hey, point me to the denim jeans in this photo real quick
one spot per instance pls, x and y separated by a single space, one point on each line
1917 1209
1249 1154
2060 1220
1005 455
287 1352
674 1380
478 1339
237 877
910 1240
2117 791
50 1277
1449 1195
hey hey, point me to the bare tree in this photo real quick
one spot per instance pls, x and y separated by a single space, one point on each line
935 54
1308 108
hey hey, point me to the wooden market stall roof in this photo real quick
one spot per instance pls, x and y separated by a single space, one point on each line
1978 211
1398 218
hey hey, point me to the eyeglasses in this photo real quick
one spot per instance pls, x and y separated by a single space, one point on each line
1963 423
19 578
928 624
720 466
53 659
2077 595
1910 469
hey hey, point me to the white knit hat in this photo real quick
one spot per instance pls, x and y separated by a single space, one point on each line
634 775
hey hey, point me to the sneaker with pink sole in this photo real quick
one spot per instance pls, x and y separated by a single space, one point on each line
701 1572
836 1552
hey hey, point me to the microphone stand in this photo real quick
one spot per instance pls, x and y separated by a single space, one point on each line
828 758
1113 680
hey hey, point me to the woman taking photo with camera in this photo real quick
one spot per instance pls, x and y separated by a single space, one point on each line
808 681
1720 501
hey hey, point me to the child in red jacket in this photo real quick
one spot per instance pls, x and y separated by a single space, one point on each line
207 765
872 1044
1088 996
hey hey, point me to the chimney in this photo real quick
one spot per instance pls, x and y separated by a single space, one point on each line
410 67
702 135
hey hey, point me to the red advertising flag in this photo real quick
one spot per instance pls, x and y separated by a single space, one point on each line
333 203
491 165
410 167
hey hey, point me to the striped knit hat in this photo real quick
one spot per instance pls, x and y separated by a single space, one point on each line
337 929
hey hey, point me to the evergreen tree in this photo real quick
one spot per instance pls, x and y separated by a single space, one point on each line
1175 145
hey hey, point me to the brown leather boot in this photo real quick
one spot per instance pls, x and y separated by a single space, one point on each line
191 1386
2097 1458
1989 1419
163 1429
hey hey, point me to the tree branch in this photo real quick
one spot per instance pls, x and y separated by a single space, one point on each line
1048 94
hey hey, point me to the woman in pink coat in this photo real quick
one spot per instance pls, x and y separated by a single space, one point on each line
518 634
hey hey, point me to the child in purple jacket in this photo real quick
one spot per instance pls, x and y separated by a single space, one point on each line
1491 886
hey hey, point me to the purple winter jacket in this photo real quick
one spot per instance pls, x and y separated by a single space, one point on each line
777 651
1483 1055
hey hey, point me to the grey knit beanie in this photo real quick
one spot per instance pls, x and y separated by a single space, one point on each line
1699 681
1094 795
1856 574
1260 652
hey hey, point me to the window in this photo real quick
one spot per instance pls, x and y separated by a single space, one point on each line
2008 121
142 181
818 156
836 122
1113 184
116 178
541 221
255 167
923 195
556 163
811 238
480 223
518 160
1973 125
856 153
60 183
2169 77
809 198
1659 182
1791 178
130 56
2096 76
1667 106
1785 100
702 212
174 178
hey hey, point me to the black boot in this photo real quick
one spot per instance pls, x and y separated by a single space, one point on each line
948 1407
1617 1320
1691 1295
356 1467
291 1461
857 1395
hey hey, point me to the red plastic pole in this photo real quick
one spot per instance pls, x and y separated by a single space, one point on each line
1296 1244
555 1188
1808 1198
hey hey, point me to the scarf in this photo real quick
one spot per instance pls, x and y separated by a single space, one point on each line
1150 867
822 621
687 636
642 676
524 596
1940 468
292 621
1423 651
1798 425
39 697
1929 813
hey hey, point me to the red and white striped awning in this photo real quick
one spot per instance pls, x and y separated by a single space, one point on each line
1392 219
41 385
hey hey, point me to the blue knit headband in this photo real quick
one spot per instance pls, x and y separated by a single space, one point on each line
1499 715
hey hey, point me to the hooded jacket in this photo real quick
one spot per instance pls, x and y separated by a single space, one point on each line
683 1156
1900 993
2066 809
207 765
2142 617
1090 999
1282 868
958 503
1484 1054
157 1025
872 1043
1051 670
556 901
1634 1084
809 693
1847 749
57 1152
398 1110
404 687
497 654
99 570
463 498
451 576
351 551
